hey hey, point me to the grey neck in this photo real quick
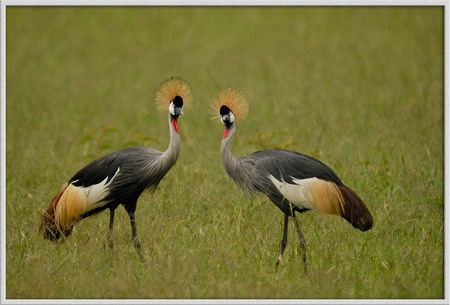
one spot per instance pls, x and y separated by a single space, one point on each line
229 162
170 156
239 169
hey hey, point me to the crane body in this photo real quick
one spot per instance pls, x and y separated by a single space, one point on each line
118 178
294 182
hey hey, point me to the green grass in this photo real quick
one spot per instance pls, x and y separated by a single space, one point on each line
359 88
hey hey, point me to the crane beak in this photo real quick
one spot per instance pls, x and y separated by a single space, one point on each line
228 118
225 119
178 110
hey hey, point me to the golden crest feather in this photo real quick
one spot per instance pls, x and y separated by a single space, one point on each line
233 99
169 89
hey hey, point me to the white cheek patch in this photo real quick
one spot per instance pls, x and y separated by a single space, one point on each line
172 108
231 117
298 193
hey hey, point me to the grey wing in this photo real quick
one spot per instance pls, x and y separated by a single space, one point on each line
139 170
285 165
129 164
99 169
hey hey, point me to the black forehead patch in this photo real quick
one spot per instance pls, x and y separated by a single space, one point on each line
224 110
178 101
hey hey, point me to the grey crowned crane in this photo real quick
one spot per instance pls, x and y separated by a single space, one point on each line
294 182
119 177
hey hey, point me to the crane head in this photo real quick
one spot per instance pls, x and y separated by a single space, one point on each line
174 92
175 110
230 101
176 106
226 116
231 105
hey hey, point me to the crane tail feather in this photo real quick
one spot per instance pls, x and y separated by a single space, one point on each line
342 201
72 204
354 210
49 227
63 212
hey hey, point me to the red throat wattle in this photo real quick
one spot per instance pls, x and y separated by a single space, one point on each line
175 125
225 133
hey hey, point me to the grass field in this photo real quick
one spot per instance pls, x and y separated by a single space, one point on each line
359 88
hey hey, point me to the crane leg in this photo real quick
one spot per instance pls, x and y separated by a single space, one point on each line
134 237
302 241
283 242
110 232
130 207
